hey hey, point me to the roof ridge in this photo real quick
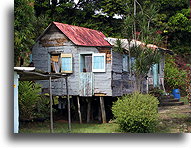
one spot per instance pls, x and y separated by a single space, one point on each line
77 26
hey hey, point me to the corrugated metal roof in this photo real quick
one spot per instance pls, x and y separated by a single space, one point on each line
125 43
82 36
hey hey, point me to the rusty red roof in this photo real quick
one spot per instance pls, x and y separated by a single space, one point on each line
83 36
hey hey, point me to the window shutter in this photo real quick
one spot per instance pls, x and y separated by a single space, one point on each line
125 63
66 63
98 62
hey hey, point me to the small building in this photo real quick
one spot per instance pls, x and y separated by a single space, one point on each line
87 56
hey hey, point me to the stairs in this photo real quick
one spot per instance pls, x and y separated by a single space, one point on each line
169 101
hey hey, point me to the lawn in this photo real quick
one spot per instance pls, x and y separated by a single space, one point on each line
60 127
173 119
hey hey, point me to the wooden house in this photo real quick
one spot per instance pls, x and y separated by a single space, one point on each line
87 56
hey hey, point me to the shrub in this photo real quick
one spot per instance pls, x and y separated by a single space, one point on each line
42 108
29 94
174 77
156 92
136 113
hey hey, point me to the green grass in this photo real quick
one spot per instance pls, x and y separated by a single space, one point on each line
76 128
184 99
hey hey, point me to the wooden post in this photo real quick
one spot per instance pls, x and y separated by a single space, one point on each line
68 98
102 110
79 112
88 110
51 115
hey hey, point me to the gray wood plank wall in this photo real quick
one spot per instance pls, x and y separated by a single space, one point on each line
41 59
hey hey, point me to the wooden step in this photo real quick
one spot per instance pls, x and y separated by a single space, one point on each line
169 100
171 103
167 97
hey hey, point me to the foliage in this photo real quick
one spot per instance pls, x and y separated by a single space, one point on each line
23 29
42 109
174 77
170 19
145 58
29 94
142 23
136 113
156 92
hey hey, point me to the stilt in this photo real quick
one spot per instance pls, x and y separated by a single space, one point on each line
102 110
99 114
51 115
69 112
79 112
88 110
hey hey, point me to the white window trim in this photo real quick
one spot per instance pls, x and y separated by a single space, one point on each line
98 70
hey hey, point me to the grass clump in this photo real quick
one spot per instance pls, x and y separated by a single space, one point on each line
136 113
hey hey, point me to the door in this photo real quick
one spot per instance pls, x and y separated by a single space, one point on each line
155 75
86 75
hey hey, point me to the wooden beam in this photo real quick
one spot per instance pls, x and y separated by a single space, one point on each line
102 110
51 114
88 110
99 94
69 112
79 112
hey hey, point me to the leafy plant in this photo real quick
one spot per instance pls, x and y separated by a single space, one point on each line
29 94
174 77
156 92
136 113
42 109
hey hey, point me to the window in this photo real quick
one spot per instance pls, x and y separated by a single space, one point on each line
86 62
125 63
98 62
55 63
61 63
66 64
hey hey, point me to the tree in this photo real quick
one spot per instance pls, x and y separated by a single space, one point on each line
23 30
140 25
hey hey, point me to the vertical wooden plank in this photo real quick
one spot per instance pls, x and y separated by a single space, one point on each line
88 110
51 115
79 111
99 114
68 98
102 110
86 84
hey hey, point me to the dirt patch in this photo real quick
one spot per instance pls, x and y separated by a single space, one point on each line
175 119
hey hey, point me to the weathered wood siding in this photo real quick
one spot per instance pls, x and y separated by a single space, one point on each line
160 74
102 80
122 82
117 74
54 40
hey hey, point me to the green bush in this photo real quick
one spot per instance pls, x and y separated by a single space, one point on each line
136 113
42 108
174 77
29 94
